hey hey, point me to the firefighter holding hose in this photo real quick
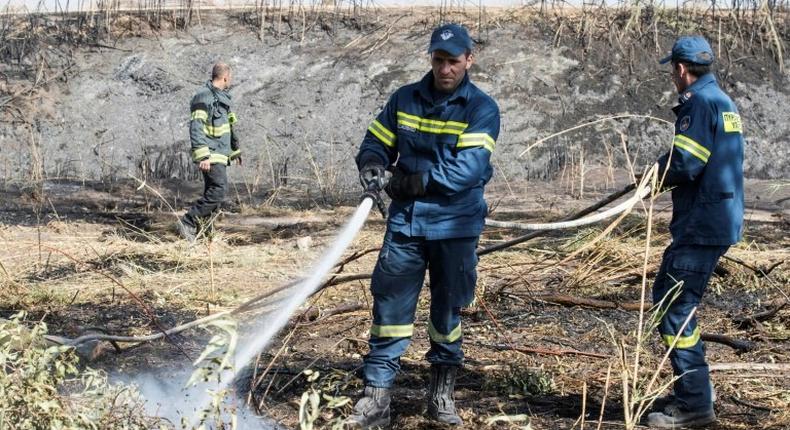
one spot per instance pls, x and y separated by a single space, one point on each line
705 166
437 136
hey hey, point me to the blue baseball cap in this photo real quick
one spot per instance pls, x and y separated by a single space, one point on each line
451 38
690 49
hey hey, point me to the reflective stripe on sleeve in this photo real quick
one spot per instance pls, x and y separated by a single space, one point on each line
200 153
467 140
692 147
382 133
437 337
218 159
684 342
405 330
199 114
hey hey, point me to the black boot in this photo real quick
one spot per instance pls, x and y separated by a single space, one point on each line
441 405
185 230
372 411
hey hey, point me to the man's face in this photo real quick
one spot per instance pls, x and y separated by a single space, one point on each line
448 71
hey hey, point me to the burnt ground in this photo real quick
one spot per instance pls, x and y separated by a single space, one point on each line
55 264
106 106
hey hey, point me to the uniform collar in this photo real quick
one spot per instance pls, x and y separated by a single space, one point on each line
692 89
461 92
222 95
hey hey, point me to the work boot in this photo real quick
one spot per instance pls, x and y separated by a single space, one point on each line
662 402
674 418
185 231
372 411
441 405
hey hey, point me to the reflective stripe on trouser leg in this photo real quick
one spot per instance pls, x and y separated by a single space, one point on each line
396 284
452 264
215 185
692 265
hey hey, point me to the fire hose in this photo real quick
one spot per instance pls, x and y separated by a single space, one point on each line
332 256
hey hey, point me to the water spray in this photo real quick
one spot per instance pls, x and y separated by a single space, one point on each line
261 333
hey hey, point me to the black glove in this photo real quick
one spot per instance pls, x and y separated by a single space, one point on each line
403 187
371 176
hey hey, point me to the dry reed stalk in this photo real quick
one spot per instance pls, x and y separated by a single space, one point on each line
584 405
643 292
605 395
256 381
587 124
211 274
581 172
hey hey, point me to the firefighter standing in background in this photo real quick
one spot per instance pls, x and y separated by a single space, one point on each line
705 165
441 131
215 144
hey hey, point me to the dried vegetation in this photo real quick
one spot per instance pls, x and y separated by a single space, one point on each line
551 341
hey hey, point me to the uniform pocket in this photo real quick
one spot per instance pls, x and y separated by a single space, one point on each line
418 143
716 196
693 267
467 281
693 260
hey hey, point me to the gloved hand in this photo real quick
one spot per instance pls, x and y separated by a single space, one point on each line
371 176
403 187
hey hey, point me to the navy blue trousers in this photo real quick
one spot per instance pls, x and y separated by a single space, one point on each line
396 284
681 281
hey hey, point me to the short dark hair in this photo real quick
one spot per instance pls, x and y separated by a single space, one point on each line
695 69
219 70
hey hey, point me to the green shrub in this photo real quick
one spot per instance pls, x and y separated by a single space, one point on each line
42 387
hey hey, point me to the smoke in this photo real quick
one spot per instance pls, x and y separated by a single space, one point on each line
166 397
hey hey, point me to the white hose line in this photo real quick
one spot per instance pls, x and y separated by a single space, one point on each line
592 219
257 337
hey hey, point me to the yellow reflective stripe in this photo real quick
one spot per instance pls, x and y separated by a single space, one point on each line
405 330
200 153
234 154
692 147
216 131
684 342
199 114
232 118
218 159
431 125
476 139
382 133
454 335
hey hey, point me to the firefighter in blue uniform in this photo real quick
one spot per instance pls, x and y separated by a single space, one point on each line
437 136
705 167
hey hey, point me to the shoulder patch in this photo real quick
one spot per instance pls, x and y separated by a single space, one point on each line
732 122
685 122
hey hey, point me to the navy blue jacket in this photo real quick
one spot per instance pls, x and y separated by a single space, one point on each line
705 165
450 144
